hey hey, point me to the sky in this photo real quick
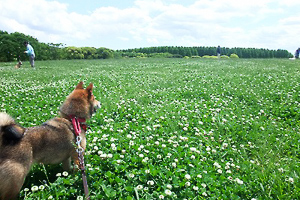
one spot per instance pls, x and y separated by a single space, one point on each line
124 24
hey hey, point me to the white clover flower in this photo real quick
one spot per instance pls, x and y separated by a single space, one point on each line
65 173
26 189
239 181
195 188
217 165
193 157
100 152
131 175
199 176
204 194
291 180
150 182
58 174
156 126
131 143
147 171
174 164
34 188
169 186
79 198
281 170
187 176
119 161
161 196
188 184
203 185
193 149
168 192
219 171
139 187
41 187
103 156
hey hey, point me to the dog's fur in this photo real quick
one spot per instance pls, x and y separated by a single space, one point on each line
18 65
51 143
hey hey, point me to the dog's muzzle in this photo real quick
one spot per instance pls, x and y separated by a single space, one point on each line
97 105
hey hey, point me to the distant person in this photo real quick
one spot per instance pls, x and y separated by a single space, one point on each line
297 53
219 52
30 52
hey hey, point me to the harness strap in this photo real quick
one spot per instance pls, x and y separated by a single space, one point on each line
78 123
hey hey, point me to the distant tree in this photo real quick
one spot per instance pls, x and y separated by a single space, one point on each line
104 53
8 48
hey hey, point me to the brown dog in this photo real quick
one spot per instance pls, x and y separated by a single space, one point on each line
18 65
51 143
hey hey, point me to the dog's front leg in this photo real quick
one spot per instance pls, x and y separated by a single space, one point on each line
67 164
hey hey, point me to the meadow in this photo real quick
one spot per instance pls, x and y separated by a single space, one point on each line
169 128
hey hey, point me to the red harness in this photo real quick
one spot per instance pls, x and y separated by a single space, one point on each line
78 123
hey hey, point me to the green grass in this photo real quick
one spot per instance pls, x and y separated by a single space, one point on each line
169 128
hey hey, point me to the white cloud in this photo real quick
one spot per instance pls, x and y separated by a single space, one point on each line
232 23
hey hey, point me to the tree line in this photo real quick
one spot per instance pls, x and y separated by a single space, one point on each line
179 51
12 49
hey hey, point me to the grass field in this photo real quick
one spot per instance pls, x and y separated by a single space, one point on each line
169 128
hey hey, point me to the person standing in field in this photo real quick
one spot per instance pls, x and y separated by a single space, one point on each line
30 52
219 52
297 53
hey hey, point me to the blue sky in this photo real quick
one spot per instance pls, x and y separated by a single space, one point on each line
120 24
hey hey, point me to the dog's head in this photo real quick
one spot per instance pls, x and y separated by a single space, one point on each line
10 132
20 63
80 103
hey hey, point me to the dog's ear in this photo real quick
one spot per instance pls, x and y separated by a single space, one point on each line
80 85
90 89
13 133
